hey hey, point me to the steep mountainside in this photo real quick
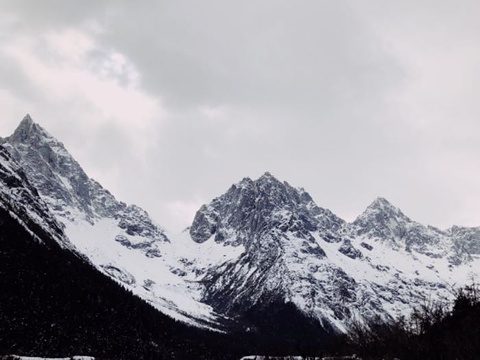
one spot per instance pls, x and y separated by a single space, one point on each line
21 201
70 193
122 241
277 225
53 302
384 222
295 252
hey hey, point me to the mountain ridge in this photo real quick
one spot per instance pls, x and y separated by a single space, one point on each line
112 234
262 242
295 248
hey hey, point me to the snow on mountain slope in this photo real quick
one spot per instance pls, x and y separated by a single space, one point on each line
382 264
120 240
155 279
384 222
452 254
275 223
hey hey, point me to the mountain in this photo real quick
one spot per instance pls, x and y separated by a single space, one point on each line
54 302
384 222
262 261
69 192
294 252
121 241
276 225
20 200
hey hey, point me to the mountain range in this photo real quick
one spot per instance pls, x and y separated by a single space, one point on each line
263 258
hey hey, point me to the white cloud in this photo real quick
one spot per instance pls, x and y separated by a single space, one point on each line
68 68
63 71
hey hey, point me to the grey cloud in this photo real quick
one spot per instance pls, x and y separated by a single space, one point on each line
269 53
320 93
52 14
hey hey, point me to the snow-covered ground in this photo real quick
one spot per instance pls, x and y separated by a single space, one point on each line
162 280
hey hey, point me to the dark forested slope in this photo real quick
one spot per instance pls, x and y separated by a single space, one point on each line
53 303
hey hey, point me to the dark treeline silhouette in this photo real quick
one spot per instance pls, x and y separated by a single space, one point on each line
278 328
434 331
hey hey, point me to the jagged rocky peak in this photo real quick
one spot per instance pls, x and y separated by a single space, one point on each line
382 205
28 133
27 130
385 222
65 186
56 174
381 219
38 140
253 207
284 258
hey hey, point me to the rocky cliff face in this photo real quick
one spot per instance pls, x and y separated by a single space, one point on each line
466 244
21 200
384 222
277 225
382 264
254 207
121 240
63 184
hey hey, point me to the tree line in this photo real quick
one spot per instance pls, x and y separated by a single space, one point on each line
434 331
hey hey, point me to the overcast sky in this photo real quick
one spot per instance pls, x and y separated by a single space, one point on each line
167 103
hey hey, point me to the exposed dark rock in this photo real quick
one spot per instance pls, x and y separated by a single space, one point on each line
349 250
65 187
366 246
119 274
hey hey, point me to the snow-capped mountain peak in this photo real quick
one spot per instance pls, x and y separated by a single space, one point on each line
381 220
385 205
25 129
385 222
121 241
284 234
29 133
56 174
381 209
253 207
297 252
